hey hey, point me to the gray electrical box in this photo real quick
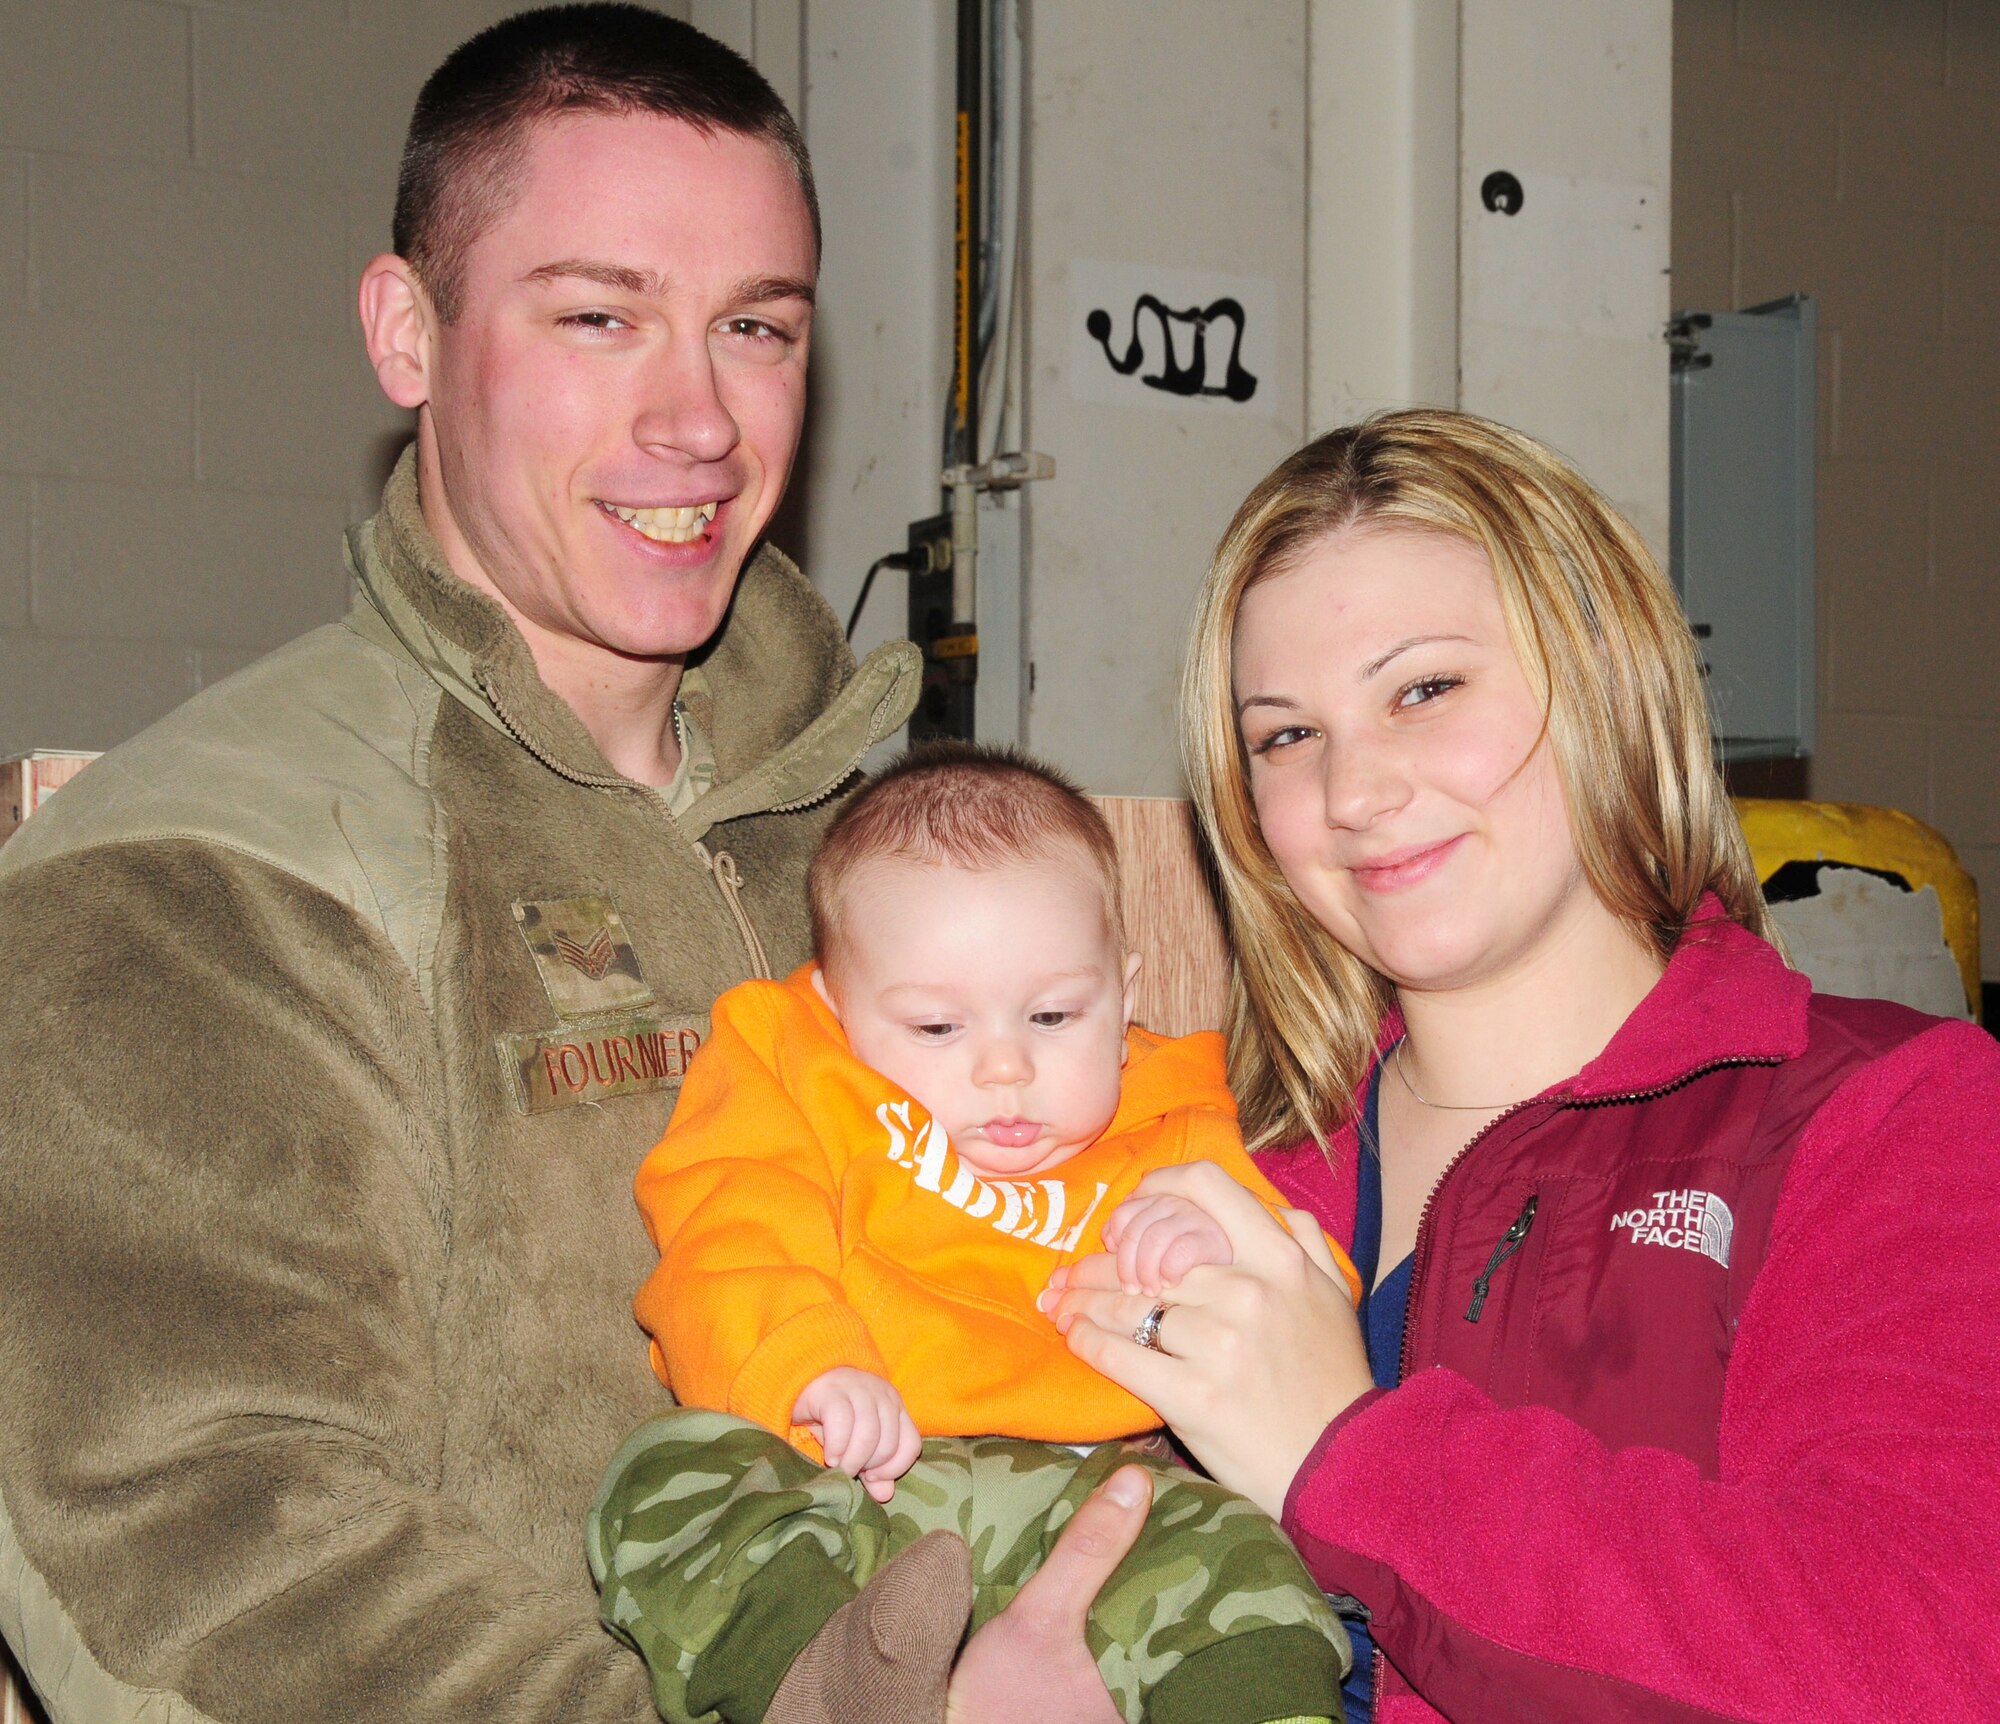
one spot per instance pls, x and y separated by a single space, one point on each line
1744 417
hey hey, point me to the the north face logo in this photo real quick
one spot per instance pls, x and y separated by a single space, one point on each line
1682 1221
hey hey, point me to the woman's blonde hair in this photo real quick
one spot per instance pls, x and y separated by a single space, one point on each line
1601 637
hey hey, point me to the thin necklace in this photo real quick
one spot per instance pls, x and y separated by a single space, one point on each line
1442 1106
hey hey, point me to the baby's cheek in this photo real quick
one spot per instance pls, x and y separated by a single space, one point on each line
1110 1083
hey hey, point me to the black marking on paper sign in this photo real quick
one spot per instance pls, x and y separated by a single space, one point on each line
1174 377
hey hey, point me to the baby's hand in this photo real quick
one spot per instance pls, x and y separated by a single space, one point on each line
862 1425
1159 1239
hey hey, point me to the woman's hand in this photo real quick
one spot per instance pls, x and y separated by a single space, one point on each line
1256 1358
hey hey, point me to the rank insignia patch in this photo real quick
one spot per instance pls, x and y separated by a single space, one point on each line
582 953
594 959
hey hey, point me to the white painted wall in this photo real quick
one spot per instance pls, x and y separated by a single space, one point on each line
768 33
1321 160
876 109
1563 307
1307 148
188 191
1169 140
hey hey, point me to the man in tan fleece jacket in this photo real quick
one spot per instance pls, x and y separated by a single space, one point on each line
344 1002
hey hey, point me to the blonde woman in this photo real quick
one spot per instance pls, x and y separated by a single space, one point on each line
1677 1392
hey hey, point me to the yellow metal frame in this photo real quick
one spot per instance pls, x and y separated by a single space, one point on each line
1885 838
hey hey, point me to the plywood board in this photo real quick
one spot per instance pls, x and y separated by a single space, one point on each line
1171 916
29 781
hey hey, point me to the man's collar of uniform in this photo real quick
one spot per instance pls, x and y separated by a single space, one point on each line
778 700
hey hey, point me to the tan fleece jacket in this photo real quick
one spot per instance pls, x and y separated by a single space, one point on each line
342 1006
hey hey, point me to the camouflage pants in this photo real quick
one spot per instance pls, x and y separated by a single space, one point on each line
720 1550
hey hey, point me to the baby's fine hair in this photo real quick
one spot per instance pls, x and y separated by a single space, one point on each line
964 805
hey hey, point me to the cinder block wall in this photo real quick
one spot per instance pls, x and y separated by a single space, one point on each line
1848 148
187 193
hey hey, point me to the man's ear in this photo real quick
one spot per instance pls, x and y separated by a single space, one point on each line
821 989
399 326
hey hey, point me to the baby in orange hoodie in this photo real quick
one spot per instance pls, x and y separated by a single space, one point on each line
873 1169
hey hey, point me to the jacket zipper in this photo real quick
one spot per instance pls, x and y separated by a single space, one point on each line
728 881
719 865
1510 1242
592 779
1418 1252
832 785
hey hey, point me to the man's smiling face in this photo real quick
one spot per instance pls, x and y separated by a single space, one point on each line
614 413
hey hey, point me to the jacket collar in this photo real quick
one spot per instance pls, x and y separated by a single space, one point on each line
1726 998
788 715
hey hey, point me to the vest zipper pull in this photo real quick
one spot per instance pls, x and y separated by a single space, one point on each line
1510 1242
729 881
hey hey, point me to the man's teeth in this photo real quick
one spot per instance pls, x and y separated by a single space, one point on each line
667 526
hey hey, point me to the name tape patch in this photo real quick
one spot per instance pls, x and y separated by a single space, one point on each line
593 1062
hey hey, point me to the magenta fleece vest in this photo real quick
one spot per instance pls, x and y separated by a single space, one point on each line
1592 1251
1639 1222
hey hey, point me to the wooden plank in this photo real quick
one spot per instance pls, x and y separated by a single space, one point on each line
1171 917
29 781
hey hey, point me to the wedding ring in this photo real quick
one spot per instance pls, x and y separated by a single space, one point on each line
1148 1332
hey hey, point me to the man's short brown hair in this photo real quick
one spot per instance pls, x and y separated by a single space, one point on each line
963 805
468 138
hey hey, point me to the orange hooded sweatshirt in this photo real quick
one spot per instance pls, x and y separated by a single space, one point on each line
809 1214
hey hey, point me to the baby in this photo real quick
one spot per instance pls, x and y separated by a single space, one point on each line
873 1169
